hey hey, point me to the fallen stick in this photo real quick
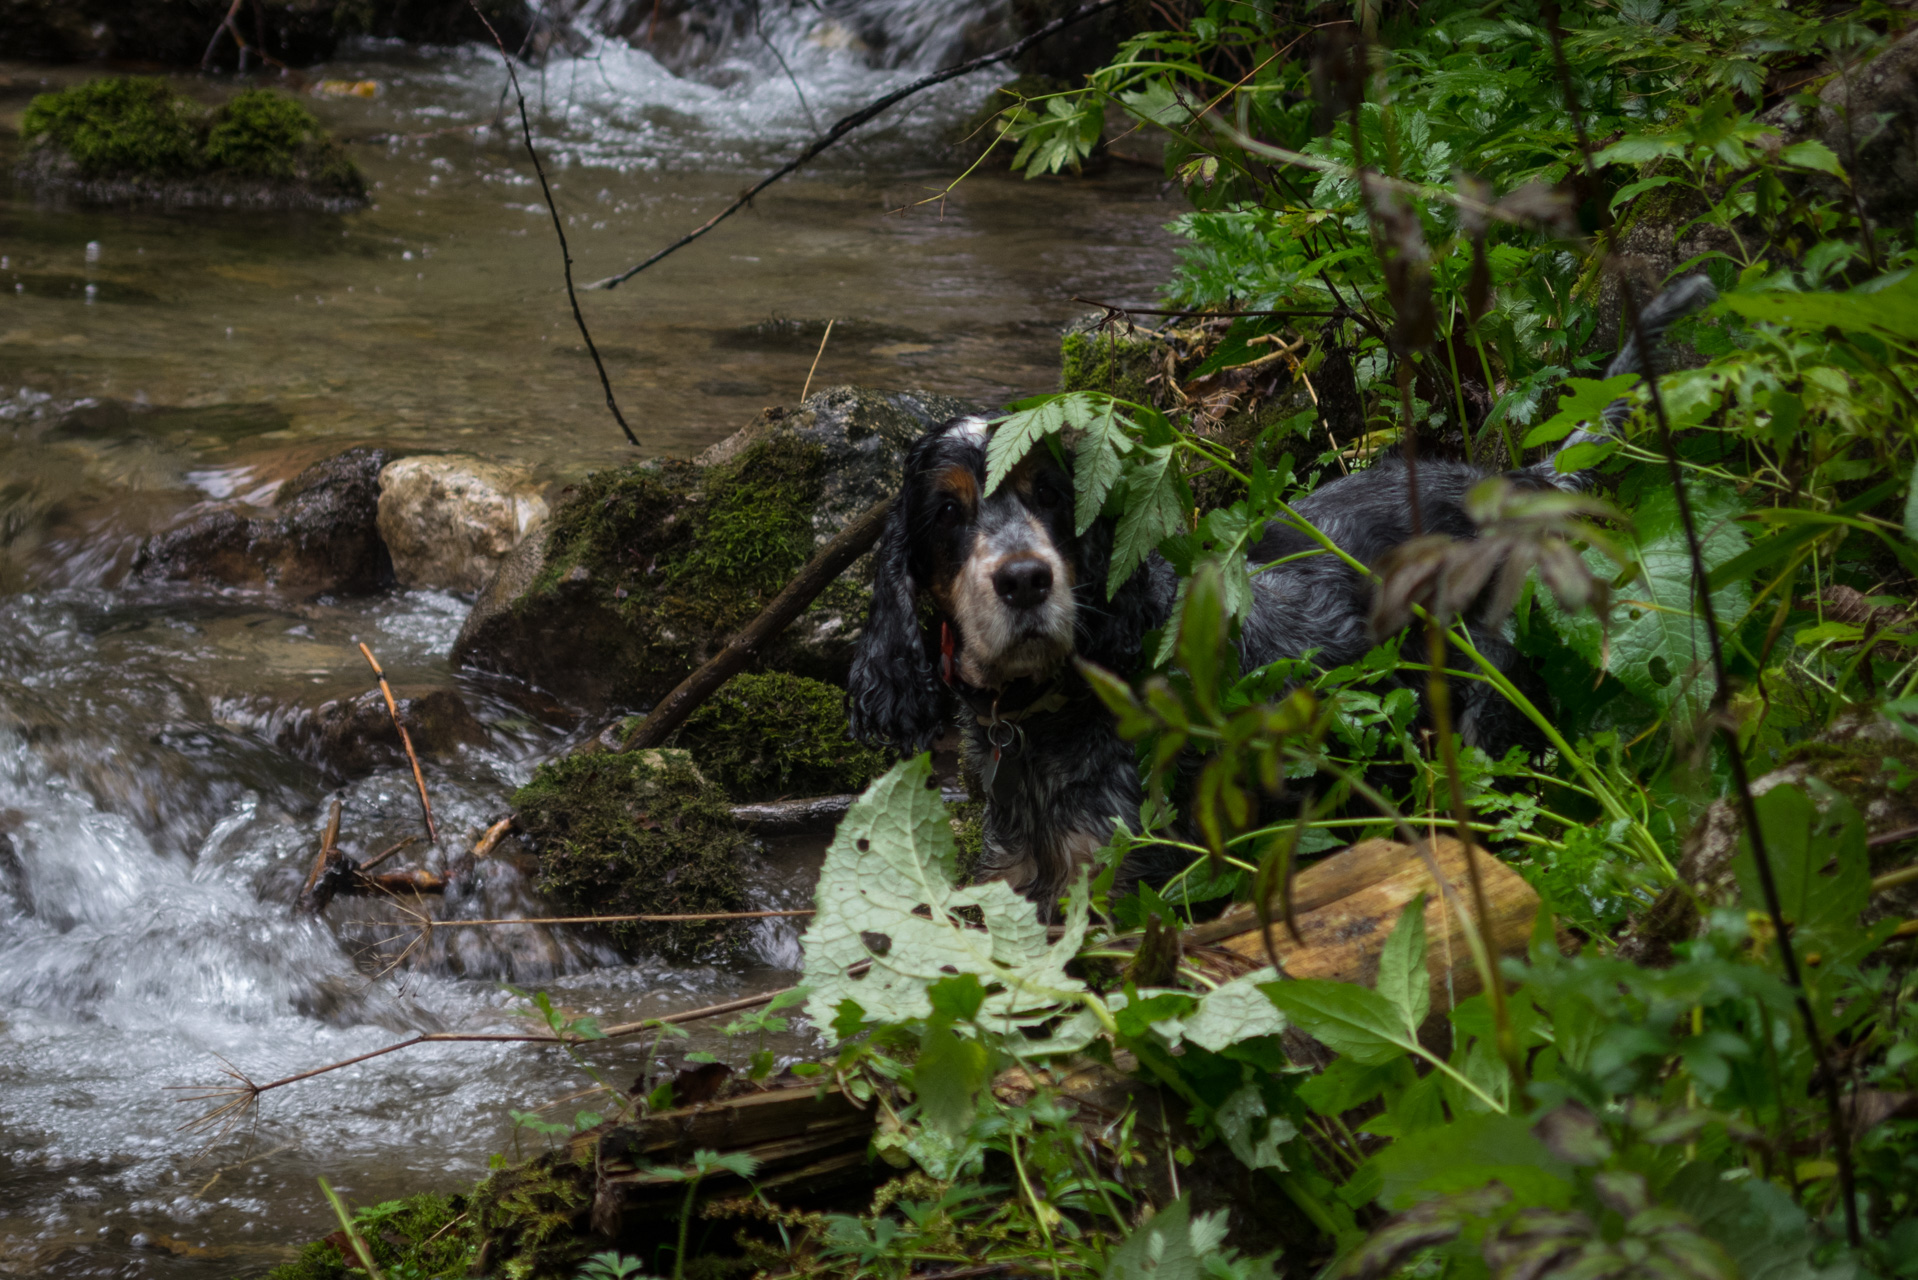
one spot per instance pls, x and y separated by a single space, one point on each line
388 852
694 917
406 740
832 560
793 817
245 1094
848 123
329 851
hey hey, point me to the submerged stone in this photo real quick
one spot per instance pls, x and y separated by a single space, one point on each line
644 571
131 139
766 736
638 833
321 534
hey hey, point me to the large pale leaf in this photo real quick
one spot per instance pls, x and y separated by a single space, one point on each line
886 895
1658 647
1351 1020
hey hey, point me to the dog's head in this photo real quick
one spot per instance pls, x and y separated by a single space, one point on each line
1003 576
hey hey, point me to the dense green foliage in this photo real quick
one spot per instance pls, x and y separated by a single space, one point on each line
771 735
136 127
637 833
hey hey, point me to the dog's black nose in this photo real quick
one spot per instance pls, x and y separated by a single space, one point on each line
1023 584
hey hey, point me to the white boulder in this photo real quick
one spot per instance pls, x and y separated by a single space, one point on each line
448 520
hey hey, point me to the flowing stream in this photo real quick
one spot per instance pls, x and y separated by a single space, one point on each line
159 806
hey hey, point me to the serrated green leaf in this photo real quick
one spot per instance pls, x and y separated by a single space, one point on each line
1251 1131
1584 402
889 874
1767 1235
1657 645
1351 1020
1233 1012
1812 154
1402 976
1096 467
1639 150
1170 1245
1154 511
1014 435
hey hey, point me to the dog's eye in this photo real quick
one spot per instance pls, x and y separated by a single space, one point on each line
950 513
1047 494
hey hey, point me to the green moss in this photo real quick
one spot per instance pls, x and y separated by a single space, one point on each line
763 736
530 1219
1094 361
425 1236
136 127
637 833
259 134
120 126
682 557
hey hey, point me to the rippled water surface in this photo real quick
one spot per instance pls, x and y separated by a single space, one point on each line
159 806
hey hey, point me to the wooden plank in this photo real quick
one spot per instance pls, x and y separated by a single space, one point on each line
1349 903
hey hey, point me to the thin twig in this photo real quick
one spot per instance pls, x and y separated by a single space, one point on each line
848 123
406 740
807 389
693 917
565 251
246 1093
1210 315
388 852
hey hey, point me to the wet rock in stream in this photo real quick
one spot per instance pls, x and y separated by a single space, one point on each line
449 521
322 534
639 832
643 572
354 736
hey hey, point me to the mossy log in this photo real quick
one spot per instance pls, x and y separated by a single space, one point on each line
1346 906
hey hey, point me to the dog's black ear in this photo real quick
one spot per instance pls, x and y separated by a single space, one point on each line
1111 630
893 695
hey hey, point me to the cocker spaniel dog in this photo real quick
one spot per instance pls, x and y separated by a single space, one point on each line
982 602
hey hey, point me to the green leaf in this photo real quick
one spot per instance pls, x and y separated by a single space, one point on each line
1155 510
1233 1012
1351 1020
1170 1245
1251 1131
1402 976
1470 1153
1767 1235
1818 861
1911 506
1096 467
1640 149
1202 636
1887 306
1585 401
1770 551
1346 1084
1657 646
948 1076
1014 435
889 875
1812 154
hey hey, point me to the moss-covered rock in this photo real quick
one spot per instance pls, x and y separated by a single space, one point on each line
771 735
642 573
638 833
132 139
1092 358
530 1220
427 1236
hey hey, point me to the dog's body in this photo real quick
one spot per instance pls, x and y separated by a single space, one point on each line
985 599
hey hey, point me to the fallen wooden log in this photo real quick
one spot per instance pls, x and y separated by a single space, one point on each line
1347 905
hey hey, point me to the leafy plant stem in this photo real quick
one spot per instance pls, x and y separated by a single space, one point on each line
1741 781
685 1223
360 1250
1438 695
